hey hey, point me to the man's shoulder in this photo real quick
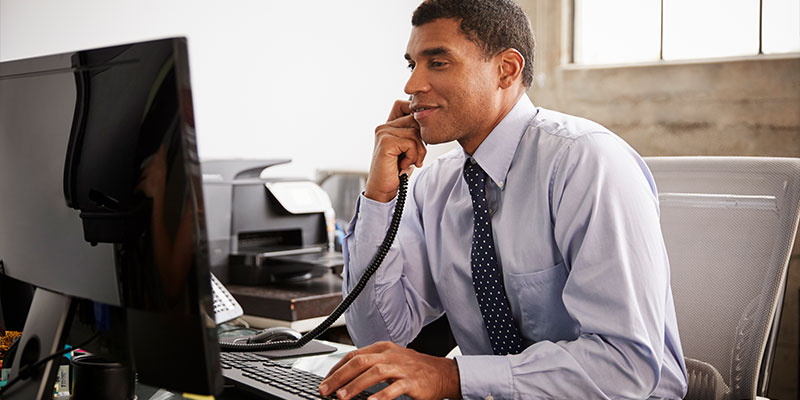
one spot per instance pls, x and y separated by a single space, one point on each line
555 139
565 126
554 134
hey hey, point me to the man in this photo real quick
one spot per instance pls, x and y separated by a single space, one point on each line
539 238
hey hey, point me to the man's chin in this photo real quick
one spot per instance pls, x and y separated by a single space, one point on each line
430 136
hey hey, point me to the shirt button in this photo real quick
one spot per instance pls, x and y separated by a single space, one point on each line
500 184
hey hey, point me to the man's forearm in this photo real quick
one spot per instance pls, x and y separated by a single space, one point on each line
400 296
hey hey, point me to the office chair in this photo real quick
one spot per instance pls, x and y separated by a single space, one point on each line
343 187
729 224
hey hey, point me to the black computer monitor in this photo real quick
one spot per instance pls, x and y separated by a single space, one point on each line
15 300
101 209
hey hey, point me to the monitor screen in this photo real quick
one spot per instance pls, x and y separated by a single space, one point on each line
102 201
15 300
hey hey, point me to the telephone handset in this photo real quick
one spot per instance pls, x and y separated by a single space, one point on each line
377 259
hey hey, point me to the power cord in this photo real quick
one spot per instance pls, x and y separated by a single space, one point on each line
28 371
340 309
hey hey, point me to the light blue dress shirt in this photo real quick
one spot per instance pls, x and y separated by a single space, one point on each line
576 224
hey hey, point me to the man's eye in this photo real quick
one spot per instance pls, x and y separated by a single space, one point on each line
411 67
438 64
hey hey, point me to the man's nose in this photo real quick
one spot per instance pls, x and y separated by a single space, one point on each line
417 83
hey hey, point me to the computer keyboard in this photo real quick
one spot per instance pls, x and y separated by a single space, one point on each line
259 375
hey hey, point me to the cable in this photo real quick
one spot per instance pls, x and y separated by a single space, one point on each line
340 309
28 371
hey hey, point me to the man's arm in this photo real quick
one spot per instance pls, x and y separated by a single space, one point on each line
400 298
380 312
389 313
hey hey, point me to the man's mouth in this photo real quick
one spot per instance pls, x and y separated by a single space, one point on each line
422 111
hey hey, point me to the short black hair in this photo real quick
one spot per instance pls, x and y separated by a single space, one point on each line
494 25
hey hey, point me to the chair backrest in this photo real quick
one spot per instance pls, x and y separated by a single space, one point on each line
343 188
729 224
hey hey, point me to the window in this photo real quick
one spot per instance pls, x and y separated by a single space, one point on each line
617 31
780 30
630 31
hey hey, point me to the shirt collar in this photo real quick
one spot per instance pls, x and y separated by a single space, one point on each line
494 155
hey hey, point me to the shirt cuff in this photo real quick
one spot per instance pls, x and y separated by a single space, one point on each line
375 214
485 377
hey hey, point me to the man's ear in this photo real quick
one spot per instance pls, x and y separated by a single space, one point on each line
510 64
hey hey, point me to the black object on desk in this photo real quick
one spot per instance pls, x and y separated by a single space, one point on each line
284 265
97 378
291 301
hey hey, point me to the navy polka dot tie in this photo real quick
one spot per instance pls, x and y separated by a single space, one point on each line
486 278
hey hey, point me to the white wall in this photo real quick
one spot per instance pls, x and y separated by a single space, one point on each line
307 80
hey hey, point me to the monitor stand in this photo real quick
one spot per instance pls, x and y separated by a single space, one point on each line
45 333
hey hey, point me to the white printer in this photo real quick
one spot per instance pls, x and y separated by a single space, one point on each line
264 230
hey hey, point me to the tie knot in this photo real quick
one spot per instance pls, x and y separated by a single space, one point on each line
475 178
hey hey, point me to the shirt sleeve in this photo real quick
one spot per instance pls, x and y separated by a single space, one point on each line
604 211
400 298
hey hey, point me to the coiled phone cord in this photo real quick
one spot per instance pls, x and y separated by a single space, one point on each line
377 259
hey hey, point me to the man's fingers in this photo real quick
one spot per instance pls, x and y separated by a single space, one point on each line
405 121
399 109
374 348
350 369
411 132
376 374
412 155
406 127
392 146
415 154
388 133
347 357
393 391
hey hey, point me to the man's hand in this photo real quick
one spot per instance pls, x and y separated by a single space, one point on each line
399 135
417 375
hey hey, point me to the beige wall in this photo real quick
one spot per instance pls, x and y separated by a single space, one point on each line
743 106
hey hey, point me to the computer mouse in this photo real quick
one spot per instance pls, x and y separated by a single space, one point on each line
274 334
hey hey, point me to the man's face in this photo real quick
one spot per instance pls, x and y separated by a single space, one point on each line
452 83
